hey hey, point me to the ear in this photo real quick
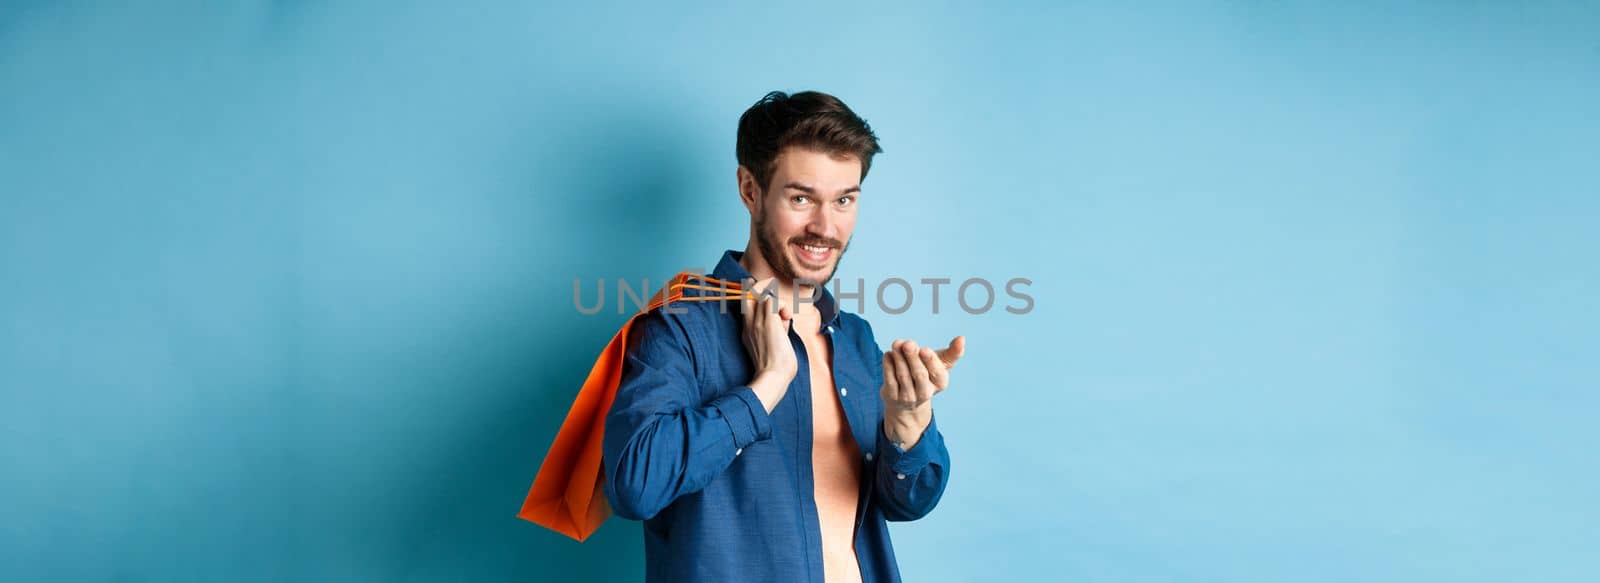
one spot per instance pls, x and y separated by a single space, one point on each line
749 192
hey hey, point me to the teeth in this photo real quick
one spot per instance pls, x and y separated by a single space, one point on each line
817 250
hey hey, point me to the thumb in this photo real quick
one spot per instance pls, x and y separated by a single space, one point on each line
958 346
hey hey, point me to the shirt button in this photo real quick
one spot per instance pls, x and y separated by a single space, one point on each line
843 392
900 476
869 456
736 452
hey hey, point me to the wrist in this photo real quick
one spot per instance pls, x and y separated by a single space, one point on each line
769 388
906 427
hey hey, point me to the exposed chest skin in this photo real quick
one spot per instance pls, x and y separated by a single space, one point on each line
834 458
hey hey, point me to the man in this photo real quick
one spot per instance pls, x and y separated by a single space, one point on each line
770 439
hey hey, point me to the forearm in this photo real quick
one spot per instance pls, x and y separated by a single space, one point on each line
653 459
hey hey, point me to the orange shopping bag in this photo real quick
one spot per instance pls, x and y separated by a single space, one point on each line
568 496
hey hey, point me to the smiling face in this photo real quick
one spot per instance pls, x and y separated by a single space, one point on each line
802 221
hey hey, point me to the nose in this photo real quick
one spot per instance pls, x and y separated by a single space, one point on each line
823 225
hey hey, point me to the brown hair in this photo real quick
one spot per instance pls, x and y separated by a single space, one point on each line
808 119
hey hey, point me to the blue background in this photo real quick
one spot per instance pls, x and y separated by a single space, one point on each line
286 287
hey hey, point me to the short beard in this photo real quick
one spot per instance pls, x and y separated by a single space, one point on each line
777 255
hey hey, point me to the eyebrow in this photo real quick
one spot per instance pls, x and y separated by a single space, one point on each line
806 188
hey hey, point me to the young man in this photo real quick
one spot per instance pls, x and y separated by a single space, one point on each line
770 440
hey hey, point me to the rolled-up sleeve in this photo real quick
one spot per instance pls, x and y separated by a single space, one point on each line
661 442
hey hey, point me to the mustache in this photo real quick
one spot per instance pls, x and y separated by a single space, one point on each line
812 242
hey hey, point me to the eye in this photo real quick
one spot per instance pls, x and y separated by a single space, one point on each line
799 199
846 201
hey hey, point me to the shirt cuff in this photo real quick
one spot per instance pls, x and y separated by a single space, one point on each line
746 416
911 460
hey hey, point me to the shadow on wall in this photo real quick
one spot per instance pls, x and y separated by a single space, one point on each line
611 208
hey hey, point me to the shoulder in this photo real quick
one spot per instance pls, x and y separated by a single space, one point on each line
680 326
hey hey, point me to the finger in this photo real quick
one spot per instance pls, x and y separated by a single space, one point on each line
768 308
774 317
958 347
769 290
746 302
756 292
919 373
900 380
908 388
891 384
766 313
936 370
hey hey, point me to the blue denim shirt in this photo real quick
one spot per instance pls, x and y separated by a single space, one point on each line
724 488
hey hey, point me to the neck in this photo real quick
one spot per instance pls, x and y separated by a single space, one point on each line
755 263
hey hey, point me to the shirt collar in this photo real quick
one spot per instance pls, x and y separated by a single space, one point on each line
729 269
